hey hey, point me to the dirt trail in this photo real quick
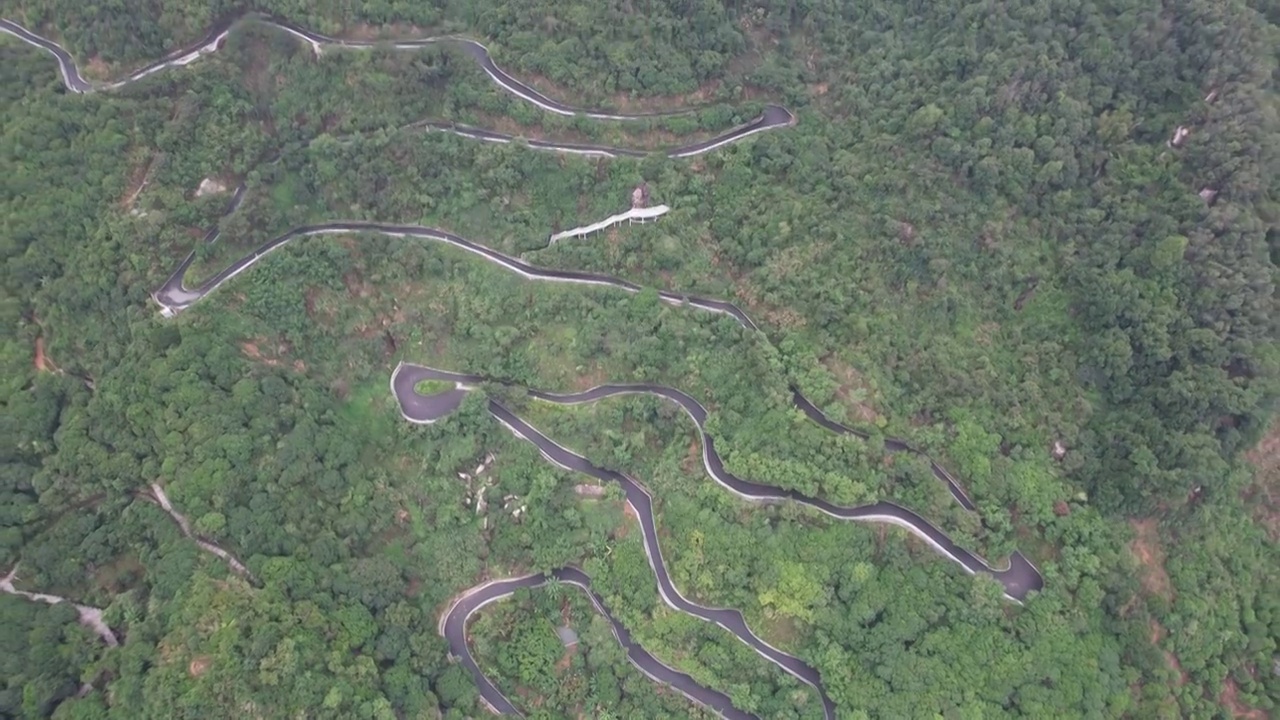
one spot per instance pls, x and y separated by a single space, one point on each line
43 362
157 492
140 179
90 617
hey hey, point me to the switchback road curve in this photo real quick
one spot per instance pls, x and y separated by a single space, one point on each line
213 40
773 115
453 625
174 296
428 409
1019 577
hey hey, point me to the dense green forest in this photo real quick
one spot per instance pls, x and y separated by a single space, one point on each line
1038 240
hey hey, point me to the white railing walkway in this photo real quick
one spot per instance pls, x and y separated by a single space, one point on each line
633 215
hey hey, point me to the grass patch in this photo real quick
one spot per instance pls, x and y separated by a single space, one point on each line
290 193
432 387
367 405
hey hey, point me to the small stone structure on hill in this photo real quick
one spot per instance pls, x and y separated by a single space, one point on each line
640 196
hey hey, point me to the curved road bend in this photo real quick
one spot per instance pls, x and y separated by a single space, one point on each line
773 116
642 503
454 628
174 297
1019 578
213 39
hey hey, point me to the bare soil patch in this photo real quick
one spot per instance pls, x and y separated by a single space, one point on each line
1158 633
588 380
42 361
852 384
119 574
138 178
1266 454
692 461
1263 494
780 317
562 665
1230 699
252 348
97 69
356 285
629 517
253 352
986 333
199 666
1147 549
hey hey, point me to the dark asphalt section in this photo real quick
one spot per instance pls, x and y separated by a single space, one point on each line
1019 578
213 38
459 615
173 296
419 408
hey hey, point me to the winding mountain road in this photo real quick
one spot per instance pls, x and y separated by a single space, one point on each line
213 40
1018 576
453 625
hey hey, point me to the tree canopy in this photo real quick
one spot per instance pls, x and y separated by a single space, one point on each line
1037 241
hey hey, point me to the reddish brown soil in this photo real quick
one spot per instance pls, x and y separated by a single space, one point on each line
43 363
693 457
629 518
1230 699
562 665
97 69
254 353
1158 633
252 350
850 382
1266 455
1263 494
199 666
587 380
1146 548
137 180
